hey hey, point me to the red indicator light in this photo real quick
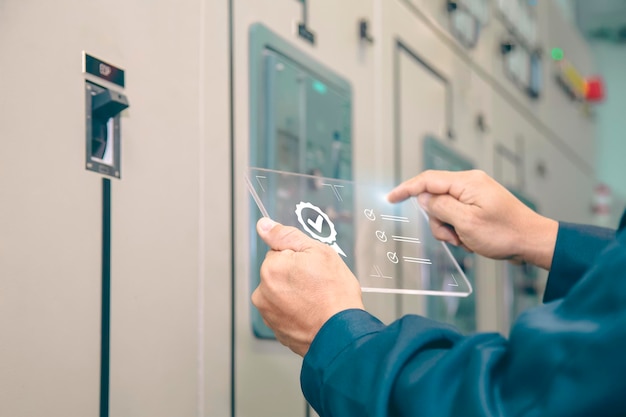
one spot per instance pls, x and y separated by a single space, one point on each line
595 89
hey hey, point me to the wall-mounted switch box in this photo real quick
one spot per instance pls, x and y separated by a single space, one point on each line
103 106
102 120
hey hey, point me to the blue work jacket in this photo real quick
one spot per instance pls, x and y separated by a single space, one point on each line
566 357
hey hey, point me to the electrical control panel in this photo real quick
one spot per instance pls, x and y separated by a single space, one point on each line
301 122
520 49
467 18
460 312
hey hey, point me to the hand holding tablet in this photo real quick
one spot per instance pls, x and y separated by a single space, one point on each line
388 247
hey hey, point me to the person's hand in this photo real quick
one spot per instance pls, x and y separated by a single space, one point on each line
303 284
471 209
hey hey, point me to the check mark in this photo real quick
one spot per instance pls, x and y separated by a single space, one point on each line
393 257
317 224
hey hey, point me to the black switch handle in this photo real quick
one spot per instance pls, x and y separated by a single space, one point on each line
364 31
108 104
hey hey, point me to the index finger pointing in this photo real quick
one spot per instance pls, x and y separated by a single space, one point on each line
431 181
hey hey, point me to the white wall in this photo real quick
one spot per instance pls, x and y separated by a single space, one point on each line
170 266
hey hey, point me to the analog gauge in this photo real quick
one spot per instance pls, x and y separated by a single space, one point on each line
511 65
508 60
480 9
522 62
465 27
517 65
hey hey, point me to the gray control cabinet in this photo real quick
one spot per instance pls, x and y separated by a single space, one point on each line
300 121
460 312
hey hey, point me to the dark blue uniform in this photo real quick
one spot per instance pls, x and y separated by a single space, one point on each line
564 358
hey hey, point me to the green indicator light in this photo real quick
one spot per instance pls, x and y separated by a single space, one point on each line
320 87
557 54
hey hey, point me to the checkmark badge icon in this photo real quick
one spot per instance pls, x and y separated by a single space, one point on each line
317 224
315 227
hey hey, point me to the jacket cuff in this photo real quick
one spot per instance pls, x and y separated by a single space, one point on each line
339 332
576 249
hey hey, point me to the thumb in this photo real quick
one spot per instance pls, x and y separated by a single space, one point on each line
279 237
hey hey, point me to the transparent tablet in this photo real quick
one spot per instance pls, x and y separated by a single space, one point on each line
389 247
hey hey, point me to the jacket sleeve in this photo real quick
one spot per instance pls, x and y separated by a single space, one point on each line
576 249
563 358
